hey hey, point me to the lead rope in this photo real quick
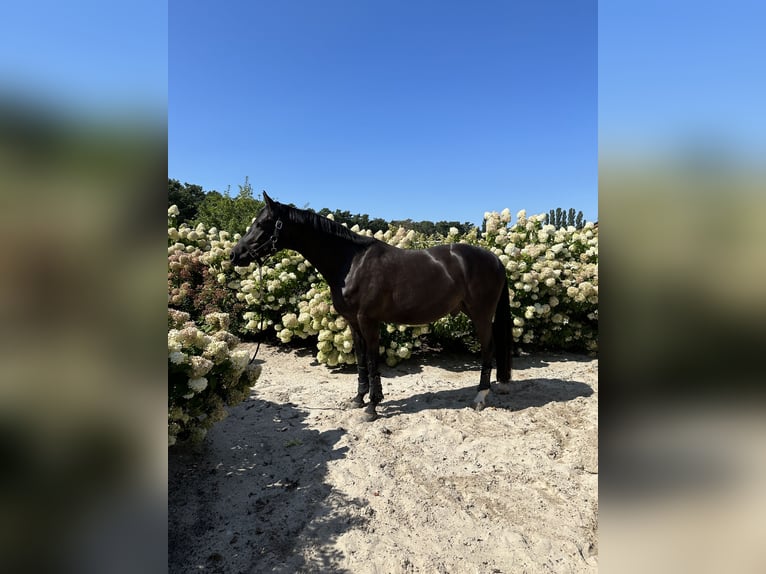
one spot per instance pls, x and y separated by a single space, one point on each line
274 239
260 310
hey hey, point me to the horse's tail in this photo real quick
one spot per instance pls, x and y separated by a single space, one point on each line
501 332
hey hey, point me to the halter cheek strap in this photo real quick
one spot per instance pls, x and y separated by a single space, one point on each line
272 243
275 235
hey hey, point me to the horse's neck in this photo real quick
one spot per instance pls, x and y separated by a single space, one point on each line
331 255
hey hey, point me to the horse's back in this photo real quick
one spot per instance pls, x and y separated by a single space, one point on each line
474 260
416 286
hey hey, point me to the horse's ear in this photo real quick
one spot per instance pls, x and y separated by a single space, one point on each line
269 202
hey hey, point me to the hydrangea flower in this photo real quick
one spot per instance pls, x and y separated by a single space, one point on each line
198 384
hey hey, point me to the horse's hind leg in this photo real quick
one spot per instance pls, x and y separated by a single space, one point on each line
360 350
484 334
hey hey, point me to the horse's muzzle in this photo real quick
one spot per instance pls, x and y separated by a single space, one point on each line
236 254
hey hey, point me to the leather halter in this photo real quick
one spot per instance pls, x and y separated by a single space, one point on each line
271 243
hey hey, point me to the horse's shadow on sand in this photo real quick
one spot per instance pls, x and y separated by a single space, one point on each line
524 394
529 393
459 362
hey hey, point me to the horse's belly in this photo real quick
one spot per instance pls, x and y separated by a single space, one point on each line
415 319
409 310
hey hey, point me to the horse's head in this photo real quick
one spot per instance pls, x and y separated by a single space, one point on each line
262 238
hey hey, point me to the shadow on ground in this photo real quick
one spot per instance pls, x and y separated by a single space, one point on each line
254 497
457 362
524 394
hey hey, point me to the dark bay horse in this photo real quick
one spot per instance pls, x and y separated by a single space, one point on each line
372 282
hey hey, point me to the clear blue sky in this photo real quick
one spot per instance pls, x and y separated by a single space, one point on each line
682 76
86 57
417 109
436 109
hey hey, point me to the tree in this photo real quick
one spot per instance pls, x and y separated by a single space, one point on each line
361 219
378 224
186 197
561 218
431 228
233 214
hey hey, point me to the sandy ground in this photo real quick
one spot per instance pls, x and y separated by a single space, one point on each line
292 481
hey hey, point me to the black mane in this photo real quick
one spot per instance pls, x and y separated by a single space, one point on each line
323 224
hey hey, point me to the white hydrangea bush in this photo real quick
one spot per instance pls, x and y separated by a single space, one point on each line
552 276
205 373
273 290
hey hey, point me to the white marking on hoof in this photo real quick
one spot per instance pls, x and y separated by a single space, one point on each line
479 401
503 388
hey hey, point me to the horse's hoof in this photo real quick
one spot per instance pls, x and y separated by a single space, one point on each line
503 388
356 403
480 400
369 415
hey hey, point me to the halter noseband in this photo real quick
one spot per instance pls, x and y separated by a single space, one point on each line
272 243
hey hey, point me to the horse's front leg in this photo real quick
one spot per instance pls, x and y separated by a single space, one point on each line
360 350
370 332
376 390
